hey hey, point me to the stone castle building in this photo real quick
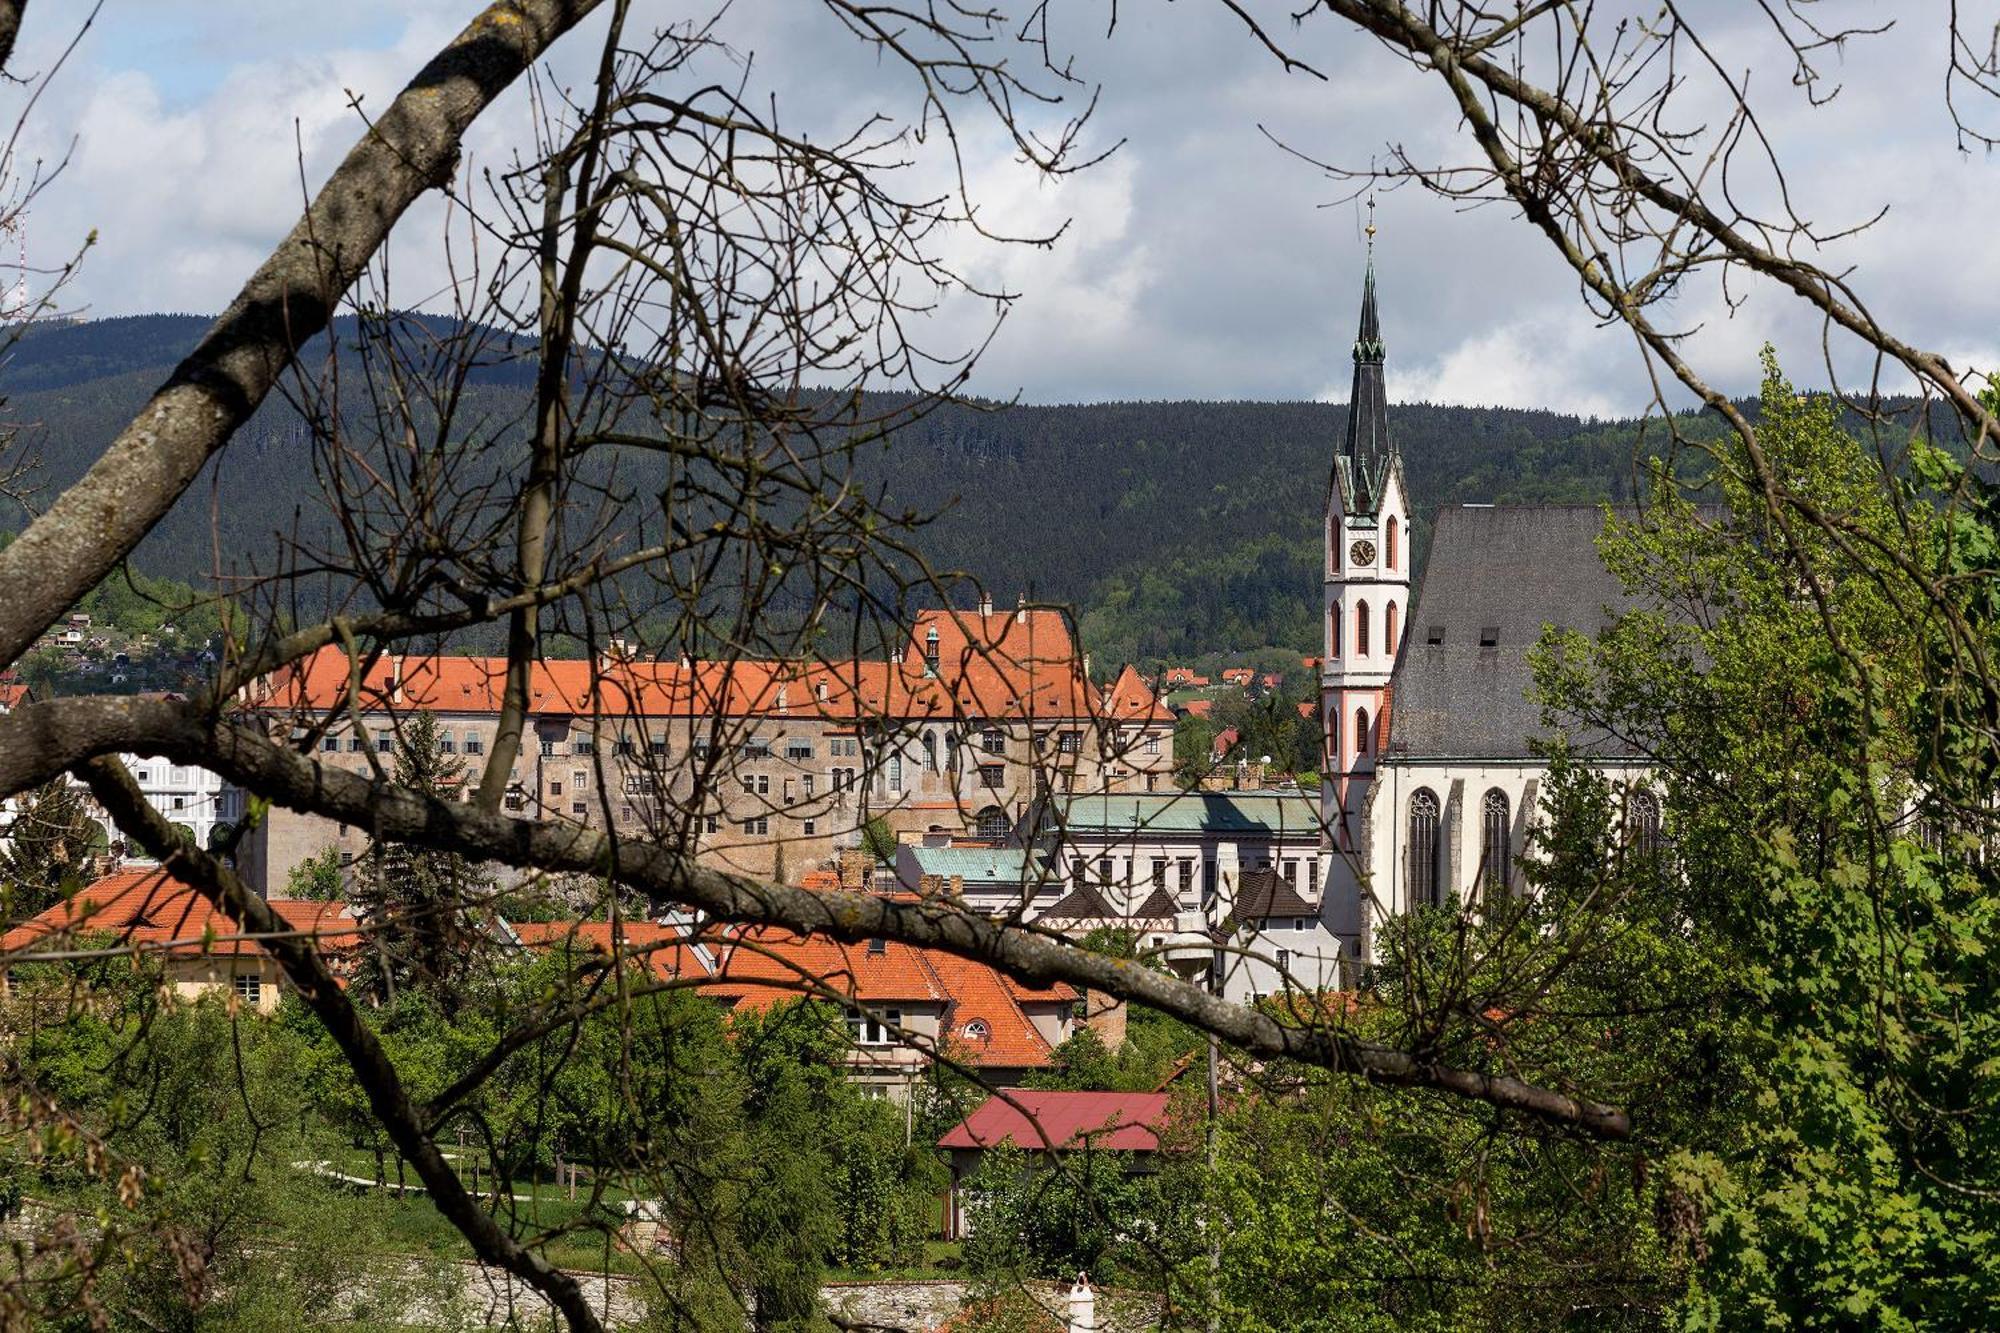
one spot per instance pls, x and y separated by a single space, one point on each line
766 768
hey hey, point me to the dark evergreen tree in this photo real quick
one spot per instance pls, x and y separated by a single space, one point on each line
425 909
48 849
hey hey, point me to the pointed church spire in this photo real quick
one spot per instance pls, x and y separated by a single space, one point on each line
1367 446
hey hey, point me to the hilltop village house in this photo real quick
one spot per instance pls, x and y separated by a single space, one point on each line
1430 735
766 768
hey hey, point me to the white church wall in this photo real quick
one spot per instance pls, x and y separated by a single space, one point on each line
1460 789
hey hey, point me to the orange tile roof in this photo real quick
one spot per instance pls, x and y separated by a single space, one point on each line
1129 697
768 966
668 952
149 908
820 881
13 694
1021 664
984 1025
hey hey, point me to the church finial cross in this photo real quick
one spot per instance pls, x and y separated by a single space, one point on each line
1370 229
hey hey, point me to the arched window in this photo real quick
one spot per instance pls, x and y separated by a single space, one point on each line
1495 840
1389 543
1642 823
992 823
1389 629
930 752
976 1030
951 751
1333 738
1360 732
1333 631
1361 629
1423 852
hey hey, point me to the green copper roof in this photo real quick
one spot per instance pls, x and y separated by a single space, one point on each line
1215 812
975 865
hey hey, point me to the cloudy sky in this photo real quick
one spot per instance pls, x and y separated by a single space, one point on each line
1200 261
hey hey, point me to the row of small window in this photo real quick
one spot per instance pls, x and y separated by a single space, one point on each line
1496 840
1183 871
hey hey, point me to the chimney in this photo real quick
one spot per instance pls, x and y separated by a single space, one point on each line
396 678
1021 609
782 701
985 603
855 865
819 691
1104 1014
931 652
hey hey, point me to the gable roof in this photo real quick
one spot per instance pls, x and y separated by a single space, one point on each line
149 909
1263 894
984 1024
1048 1118
1082 903
1159 906
1499 573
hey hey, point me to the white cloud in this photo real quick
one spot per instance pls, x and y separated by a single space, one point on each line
1201 260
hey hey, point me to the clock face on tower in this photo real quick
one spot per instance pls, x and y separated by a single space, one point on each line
1361 553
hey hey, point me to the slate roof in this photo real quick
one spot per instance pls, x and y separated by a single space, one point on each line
1159 906
1500 573
1263 894
1082 903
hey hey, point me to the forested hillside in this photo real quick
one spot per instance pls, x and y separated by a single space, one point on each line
1174 528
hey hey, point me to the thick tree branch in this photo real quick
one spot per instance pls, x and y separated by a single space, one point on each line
412 148
64 732
10 27
373 1069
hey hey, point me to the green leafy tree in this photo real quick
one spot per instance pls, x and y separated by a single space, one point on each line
316 877
1828 775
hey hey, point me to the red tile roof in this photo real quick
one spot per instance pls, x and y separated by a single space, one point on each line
1200 707
13 694
149 908
1044 1118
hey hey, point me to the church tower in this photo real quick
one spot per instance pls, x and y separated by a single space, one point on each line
1367 595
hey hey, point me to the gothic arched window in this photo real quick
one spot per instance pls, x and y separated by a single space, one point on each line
1333 738
1495 840
992 823
1389 543
1642 823
1360 732
1423 851
930 752
1389 629
1361 629
1333 631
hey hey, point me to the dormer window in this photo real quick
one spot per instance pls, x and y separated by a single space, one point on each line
976 1030
1434 636
1489 636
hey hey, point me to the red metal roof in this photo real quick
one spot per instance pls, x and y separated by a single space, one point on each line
1046 1118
